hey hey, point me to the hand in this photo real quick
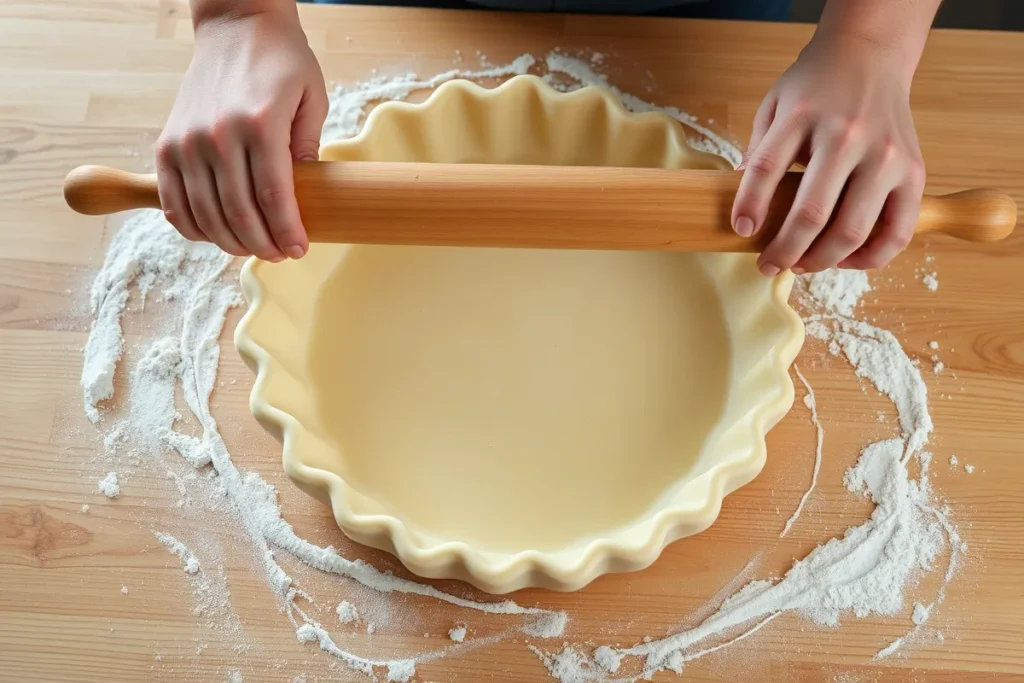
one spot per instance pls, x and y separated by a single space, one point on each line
843 111
252 101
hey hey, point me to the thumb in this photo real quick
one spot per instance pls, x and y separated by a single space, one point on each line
308 124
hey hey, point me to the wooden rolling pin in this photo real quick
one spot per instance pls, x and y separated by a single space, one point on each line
534 206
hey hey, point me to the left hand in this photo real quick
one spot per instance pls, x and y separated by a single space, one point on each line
842 111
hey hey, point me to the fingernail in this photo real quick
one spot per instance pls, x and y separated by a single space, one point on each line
308 157
295 251
744 226
797 270
768 269
276 259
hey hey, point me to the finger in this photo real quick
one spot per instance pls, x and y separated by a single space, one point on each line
205 204
855 218
244 219
764 171
762 122
819 190
174 202
899 219
309 124
271 167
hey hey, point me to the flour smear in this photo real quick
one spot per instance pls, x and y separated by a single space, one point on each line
864 573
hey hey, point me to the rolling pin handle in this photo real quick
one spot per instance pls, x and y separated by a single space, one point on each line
99 190
974 215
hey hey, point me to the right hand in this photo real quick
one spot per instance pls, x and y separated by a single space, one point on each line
252 101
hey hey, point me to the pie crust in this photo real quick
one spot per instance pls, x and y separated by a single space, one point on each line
518 418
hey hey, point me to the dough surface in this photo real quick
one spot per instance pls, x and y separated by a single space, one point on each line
517 399
519 418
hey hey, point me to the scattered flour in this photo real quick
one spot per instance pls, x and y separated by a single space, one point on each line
953 461
608 659
457 633
838 291
931 281
969 469
189 562
151 255
890 649
109 487
124 590
863 573
582 74
811 404
878 357
347 612
348 104
933 345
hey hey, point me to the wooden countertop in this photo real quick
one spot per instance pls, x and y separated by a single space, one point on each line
92 82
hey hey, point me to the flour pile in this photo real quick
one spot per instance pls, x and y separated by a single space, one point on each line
862 574
108 485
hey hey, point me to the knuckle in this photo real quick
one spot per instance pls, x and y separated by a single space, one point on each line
205 218
165 151
222 131
811 214
901 239
851 234
916 173
888 152
272 197
802 111
846 133
194 140
762 164
174 218
259 122
235 214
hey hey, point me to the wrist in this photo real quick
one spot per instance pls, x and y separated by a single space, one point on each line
205 12
894 33
853 48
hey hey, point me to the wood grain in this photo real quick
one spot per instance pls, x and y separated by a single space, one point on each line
92 82
538 207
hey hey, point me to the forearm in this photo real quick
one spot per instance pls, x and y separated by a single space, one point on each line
896 28
213 10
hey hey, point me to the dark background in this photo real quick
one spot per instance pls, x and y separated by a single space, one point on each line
1007 15
986 14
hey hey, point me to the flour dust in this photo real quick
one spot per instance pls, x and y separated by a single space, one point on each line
864 573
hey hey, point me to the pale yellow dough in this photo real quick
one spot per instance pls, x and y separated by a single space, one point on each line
516 417
517 399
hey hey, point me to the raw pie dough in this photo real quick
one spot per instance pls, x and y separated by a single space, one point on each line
517 399
519 417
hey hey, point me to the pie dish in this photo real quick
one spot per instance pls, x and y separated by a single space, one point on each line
518 418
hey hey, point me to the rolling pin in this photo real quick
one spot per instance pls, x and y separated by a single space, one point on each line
578 207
